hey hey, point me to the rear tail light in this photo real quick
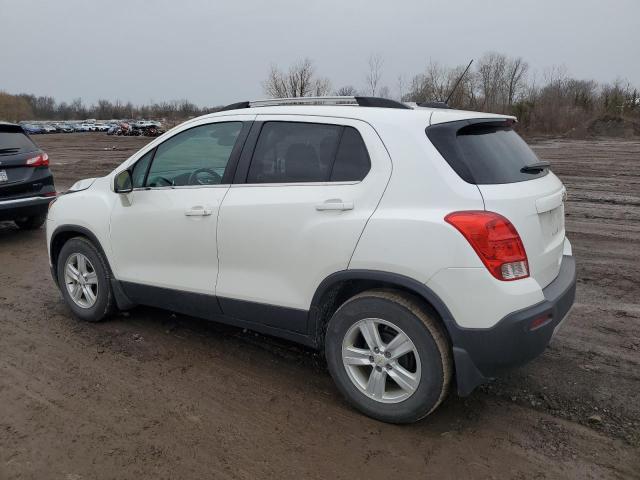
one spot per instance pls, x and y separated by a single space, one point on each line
495 240
41 160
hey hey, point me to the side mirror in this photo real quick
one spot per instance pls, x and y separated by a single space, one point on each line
123 183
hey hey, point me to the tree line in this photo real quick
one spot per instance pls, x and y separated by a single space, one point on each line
549 103
30 107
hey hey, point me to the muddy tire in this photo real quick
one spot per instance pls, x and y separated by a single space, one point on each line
84 280
388 356
30 223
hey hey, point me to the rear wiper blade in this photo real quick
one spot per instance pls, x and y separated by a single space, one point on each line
8 150
535 167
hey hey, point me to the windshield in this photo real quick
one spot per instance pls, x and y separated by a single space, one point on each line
485 152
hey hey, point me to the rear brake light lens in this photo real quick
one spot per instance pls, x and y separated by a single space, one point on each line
41 160
495 240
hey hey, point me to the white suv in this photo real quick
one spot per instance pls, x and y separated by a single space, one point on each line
416 246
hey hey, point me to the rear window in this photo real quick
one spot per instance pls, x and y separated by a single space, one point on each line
484 153
13 140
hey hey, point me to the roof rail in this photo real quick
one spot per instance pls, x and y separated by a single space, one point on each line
434 104
353 101
235 106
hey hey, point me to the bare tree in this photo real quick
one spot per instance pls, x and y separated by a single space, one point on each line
430 85
401 88
299 81
374 74
492 81
384 92
321 87
347 91
516 73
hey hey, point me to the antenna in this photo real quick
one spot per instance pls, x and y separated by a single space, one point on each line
458 82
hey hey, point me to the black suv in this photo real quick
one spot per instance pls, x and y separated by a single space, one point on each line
26 183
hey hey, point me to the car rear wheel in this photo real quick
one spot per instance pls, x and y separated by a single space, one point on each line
388 356
30 223
84 280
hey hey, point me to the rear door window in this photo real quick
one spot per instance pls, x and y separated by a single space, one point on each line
485 153
292 152
289 152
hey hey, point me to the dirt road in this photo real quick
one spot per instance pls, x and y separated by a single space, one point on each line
154 395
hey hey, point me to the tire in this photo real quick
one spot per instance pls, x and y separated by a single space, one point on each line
104 303
429 362
30 223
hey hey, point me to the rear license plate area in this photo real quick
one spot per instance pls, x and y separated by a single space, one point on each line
3 176
553 221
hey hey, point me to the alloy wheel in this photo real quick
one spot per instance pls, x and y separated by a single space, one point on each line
381 360
81 280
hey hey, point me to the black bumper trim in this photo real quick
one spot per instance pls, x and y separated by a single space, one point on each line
10 210
482 354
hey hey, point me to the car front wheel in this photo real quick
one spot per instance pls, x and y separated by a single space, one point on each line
84 280
389 356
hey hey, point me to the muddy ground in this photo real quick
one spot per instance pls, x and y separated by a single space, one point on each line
154 395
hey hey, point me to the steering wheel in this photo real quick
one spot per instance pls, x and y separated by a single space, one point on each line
159 178
212 177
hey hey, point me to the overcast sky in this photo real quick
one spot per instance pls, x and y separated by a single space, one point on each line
219 52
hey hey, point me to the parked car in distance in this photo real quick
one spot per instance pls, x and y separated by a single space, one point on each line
113 130
420 248
64 128
48 128
32 128
26 183
82 127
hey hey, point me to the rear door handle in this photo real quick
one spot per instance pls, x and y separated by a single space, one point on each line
198 211
334 204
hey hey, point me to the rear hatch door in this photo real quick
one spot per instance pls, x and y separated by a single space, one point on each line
15 149
513 182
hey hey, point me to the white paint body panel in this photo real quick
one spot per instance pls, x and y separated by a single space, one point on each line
276 247
535 208
155 243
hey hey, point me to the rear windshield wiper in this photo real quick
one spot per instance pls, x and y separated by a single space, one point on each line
8 150
535 167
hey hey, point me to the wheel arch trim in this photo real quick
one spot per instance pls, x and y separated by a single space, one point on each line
403 281
122 301
467 375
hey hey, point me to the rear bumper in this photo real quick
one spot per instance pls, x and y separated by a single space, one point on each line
481 354
24 207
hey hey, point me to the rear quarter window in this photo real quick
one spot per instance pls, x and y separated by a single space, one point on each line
484 152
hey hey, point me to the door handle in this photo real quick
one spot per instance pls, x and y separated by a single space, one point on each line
198 211
334 204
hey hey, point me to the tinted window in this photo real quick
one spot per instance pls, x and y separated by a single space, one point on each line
294 152
352 160
15 142
484 153
197 156
140 169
